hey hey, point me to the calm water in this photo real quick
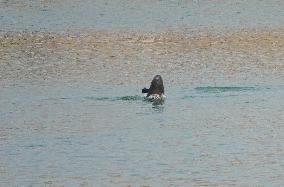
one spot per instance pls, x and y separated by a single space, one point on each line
109 136
71 113
135 14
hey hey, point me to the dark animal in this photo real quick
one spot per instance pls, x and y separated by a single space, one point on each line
156 87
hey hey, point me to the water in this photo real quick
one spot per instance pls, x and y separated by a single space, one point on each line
146 15
71 109
110 136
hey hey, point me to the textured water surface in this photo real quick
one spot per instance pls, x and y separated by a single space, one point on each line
135 14
72 112
109 136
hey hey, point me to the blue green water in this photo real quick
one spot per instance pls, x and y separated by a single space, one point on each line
89 135
93 132
138 15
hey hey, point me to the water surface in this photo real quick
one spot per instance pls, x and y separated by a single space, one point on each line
109 136
141 15
71 109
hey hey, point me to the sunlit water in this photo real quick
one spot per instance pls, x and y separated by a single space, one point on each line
110 136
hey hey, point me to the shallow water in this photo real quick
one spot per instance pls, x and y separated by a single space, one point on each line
135 14
109 136
71 109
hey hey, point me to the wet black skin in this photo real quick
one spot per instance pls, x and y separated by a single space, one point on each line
157 87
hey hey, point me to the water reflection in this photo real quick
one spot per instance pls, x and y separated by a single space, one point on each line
158 107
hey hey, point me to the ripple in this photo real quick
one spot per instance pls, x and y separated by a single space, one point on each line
121 98
217 89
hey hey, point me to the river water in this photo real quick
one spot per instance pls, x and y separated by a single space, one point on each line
109 136
72 112
135 14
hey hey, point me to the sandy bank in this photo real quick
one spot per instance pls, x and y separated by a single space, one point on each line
182 57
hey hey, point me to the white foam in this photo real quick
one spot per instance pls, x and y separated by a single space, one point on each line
155 97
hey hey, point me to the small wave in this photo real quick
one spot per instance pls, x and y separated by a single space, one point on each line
217 89
208 96
122 98
130 98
